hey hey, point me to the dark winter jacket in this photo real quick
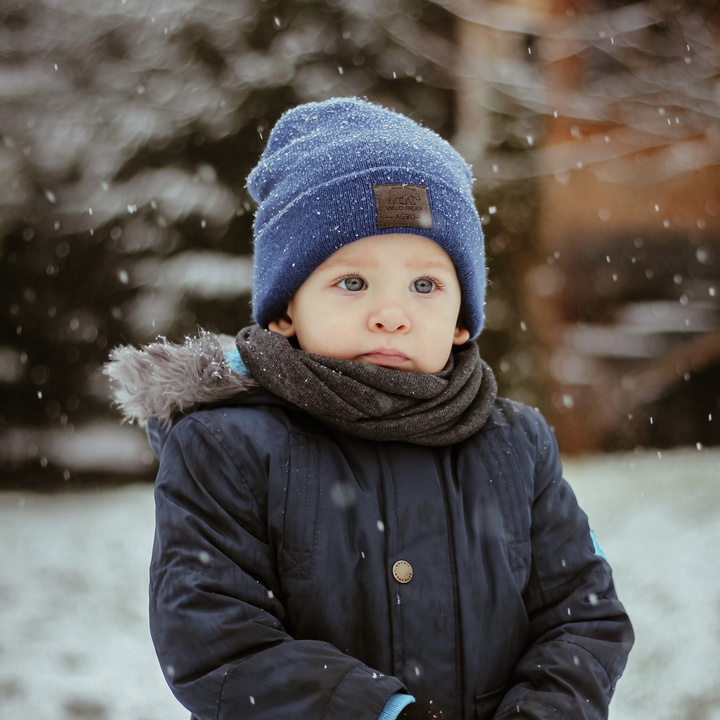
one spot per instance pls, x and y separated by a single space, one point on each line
273 581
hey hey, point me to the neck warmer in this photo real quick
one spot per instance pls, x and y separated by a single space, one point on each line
371 402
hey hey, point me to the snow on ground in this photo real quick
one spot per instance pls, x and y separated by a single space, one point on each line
74 642
657 516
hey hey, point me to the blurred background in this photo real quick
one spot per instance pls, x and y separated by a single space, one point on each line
127 130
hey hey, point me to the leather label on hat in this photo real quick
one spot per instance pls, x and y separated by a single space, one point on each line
401 205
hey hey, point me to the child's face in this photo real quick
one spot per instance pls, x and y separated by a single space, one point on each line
390 300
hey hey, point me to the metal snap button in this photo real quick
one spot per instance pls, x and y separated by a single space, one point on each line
402 571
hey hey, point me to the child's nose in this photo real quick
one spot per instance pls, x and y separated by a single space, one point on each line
390 319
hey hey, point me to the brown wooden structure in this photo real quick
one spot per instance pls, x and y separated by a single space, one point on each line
622 285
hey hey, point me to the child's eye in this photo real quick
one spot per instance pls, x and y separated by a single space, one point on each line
353 283
423 285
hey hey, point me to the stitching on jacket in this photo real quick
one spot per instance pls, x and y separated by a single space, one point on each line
452 562
220 693
390 498
515 542
301 524
520 541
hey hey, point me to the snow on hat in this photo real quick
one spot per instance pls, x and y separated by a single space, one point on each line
344 169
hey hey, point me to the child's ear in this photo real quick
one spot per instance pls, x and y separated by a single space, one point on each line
282 326
461 336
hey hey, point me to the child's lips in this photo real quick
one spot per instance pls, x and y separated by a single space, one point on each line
391 358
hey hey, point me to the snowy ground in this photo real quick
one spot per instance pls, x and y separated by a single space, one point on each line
74 642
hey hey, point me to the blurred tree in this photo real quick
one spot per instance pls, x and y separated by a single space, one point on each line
593 129
127 132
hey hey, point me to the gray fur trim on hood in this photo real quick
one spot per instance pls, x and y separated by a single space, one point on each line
162 379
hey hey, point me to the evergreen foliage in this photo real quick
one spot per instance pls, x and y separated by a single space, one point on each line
127 132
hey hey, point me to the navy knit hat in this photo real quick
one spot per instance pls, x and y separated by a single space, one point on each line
344 169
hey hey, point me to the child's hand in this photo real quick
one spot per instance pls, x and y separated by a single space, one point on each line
421 711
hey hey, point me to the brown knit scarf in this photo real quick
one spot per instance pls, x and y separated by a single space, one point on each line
371 402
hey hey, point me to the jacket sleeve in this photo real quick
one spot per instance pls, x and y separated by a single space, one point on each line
579 634
216 612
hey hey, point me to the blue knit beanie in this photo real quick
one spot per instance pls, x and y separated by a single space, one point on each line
344 169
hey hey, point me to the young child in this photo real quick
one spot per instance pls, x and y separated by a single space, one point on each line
350 524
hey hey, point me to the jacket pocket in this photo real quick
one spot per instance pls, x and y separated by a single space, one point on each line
302 501
487 703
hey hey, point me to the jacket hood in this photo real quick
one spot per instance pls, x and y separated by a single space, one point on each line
163 379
